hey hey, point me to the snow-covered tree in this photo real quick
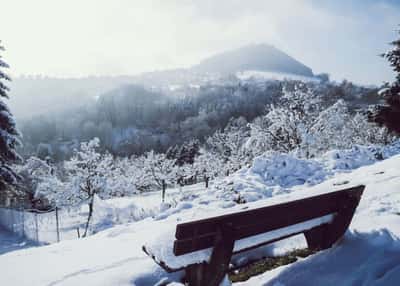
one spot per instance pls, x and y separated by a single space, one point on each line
88 172
366 132
131 175
285 126
50 188
33 171
228 144
208 166
301 124
186 174
184 154
337 128
332 129
36 167
9 135
389 115
119 183
34 174
161 169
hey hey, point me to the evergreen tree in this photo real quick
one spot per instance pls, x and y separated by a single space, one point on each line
389 114
9 135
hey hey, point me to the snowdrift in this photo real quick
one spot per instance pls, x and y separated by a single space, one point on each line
362 259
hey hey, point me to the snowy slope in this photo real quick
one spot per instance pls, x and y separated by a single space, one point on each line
369 253
254 75
361 259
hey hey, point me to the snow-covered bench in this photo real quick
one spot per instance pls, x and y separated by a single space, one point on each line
323 219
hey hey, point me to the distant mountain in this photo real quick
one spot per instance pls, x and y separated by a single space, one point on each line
261 57
32 96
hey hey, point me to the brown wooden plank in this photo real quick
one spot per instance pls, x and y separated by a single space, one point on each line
206 241
315 204
251 222
253 228
325 236
292 218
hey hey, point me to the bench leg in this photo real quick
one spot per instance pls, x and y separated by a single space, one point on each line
317 238
194 275
212 273
324 236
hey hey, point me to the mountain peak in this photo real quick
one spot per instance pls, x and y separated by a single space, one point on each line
260 57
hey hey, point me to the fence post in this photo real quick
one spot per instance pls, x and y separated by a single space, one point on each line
13 220
37 228
58 226
23 222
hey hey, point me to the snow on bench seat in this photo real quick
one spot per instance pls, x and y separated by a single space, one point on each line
160 247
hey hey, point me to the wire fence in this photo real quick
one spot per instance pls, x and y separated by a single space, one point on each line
42 226
68 223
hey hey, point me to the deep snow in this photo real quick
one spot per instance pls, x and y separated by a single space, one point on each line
367 255
371 258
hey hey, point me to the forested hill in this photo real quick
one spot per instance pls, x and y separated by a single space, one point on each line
133 119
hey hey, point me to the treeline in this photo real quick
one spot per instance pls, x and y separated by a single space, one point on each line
132 120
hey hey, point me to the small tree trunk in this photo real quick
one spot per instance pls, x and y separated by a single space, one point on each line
90 204
206 179
57 226
164 186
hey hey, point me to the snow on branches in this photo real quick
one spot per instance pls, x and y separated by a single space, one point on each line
87 174
161 169
300 124
9 135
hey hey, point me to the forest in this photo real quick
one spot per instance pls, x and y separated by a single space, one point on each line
133 119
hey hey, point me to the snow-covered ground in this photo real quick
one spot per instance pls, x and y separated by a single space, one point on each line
370 258
10 242
41 227
369 254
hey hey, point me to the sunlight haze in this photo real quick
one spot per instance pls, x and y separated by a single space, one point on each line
81 38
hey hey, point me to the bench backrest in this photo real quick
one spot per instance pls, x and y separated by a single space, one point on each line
201 234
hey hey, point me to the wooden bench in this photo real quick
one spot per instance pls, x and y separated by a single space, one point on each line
323 219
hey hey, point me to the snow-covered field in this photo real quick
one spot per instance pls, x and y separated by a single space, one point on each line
41 227
369 254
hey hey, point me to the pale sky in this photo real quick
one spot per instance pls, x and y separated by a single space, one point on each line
112 37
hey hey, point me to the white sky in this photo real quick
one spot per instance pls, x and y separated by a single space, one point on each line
112 37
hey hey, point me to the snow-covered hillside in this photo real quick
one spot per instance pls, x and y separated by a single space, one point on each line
263 76
369 254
